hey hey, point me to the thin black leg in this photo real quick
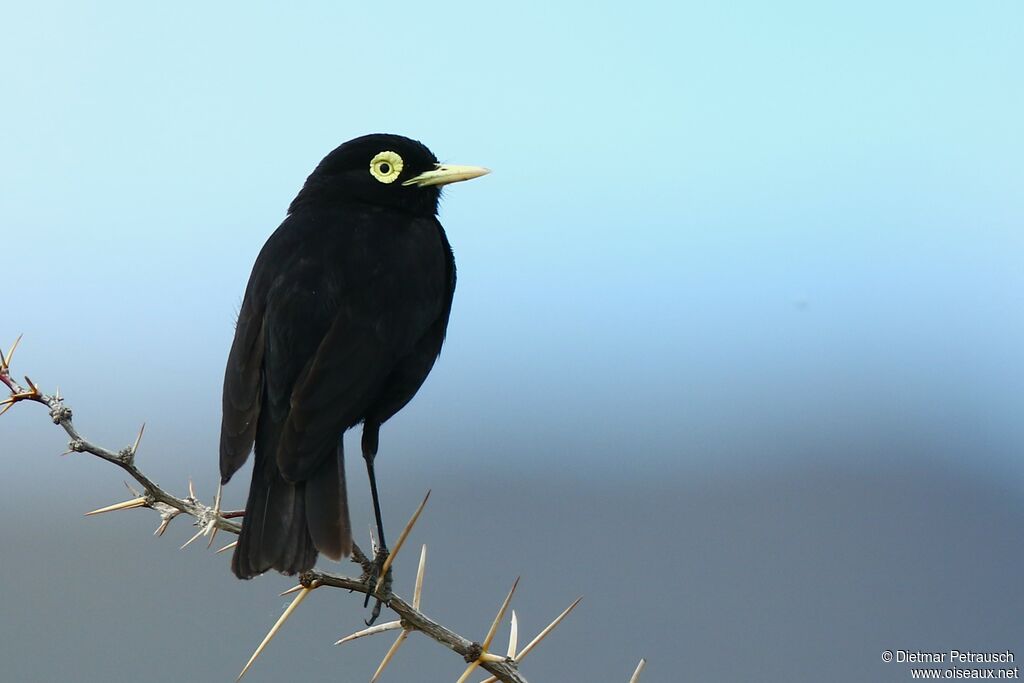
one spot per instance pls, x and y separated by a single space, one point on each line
376 503
382 549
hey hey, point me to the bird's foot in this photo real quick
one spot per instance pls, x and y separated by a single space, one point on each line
371 576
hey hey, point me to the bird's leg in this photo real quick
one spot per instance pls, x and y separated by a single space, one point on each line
382 546
369 453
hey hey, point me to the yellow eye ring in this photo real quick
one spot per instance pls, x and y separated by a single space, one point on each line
386 167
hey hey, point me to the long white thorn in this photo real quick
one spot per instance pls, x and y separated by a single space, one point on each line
417 592
275 628
135 446
486 656
491 657
540 636
550 627
5 361
398 544
126 505
501 615
469 669
513 636
389 656
189 541
164 523
371 631
229 546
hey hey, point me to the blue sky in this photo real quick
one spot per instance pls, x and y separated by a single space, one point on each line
699 216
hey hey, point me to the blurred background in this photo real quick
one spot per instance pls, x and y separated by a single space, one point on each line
735 352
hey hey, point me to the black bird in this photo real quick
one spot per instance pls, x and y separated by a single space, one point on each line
343 317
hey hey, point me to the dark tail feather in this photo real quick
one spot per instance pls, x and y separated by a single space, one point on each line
274 534
327 507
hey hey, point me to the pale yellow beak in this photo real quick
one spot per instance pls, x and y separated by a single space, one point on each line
447 173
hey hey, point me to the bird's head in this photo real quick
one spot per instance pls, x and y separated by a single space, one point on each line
384 170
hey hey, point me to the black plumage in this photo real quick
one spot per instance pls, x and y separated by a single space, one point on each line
343 317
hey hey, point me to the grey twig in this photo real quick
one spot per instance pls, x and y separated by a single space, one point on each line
156 498
416 620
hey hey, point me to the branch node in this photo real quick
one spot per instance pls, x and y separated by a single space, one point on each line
309 580
360 558
167 515
126 455
59 413
473 652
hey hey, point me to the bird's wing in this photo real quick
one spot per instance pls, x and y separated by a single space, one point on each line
334 389
245 376
243 380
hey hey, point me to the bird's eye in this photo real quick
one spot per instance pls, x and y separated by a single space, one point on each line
386 167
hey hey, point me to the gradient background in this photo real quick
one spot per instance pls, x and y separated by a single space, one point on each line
735 354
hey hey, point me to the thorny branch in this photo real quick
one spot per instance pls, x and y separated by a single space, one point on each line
210 519
166 504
